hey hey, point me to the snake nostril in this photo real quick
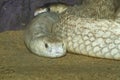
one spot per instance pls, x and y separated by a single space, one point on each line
46 45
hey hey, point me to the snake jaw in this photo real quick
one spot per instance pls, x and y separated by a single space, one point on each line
55 50
46 48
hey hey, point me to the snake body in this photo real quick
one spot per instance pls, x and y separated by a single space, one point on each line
89 36
51 35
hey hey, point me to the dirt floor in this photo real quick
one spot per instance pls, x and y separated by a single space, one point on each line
17 63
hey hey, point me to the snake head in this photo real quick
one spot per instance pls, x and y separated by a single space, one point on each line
48 47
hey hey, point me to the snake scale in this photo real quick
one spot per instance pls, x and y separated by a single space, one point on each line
51 34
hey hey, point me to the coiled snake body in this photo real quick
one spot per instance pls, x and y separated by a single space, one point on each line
51 35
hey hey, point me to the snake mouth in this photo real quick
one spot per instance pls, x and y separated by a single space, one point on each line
58 55
55 51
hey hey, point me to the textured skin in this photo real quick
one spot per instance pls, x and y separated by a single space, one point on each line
98 36
89 36
40 39
95 9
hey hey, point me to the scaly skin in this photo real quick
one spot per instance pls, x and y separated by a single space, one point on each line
89 36
40 39
94 9
79 34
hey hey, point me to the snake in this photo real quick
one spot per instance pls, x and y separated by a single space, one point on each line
52 35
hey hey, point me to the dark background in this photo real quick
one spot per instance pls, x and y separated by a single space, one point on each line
14 14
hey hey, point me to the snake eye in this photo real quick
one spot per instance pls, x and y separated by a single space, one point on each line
46 45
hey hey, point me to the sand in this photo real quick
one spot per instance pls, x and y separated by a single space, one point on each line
18 63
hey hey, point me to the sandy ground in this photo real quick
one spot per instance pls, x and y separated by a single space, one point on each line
17 63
